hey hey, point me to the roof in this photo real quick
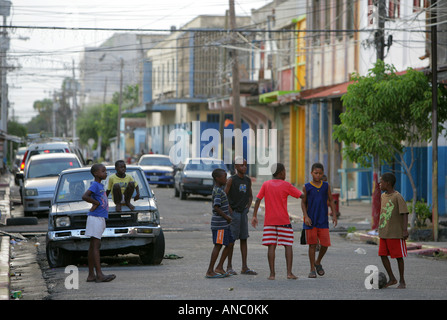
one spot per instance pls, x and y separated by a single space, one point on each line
335 91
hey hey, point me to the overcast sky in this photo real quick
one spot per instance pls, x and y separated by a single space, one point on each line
44 57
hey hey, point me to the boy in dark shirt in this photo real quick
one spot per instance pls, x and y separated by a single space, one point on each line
240 196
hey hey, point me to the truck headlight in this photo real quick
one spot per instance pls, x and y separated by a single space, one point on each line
62 222
144 216
31 192
150 216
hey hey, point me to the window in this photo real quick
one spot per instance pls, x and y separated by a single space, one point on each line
350 17
339 18
327 22
316 21
418 5
393 9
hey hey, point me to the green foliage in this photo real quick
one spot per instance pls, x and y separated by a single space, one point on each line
423 213
385 112
130 96
97 121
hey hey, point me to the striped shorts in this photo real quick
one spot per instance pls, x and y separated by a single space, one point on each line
395 248
278 235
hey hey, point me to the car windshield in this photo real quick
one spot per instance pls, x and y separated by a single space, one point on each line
155 161
73 185
50 167
205 166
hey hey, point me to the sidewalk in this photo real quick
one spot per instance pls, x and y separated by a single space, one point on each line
4 240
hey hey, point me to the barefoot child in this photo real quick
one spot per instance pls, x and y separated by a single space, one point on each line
122 186
277 227
220 225
96 224
393 231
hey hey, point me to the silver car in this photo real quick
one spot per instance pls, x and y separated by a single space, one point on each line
40 178
194 176
128 231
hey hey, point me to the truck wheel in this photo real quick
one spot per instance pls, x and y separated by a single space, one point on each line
57 257
153 253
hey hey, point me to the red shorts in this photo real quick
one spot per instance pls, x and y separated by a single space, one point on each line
395 248
318 235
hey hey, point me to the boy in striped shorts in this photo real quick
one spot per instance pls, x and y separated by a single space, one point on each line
277 227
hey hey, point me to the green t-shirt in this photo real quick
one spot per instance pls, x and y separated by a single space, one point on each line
391 223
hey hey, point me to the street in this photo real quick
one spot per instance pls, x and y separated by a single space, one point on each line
188 244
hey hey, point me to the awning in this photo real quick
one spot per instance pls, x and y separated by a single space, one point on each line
274 96
335 91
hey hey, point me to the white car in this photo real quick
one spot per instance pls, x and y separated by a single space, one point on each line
40 178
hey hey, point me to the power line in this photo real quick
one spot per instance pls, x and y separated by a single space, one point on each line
209 30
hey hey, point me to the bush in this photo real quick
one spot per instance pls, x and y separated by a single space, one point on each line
423 212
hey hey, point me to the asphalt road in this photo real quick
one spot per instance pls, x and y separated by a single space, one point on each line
186 226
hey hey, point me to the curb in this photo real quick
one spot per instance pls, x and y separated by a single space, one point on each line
412 247
5 215
4 268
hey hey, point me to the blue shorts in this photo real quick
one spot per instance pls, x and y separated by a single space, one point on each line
222 236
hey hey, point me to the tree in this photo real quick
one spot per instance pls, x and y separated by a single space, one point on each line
130 96
386 116
98 123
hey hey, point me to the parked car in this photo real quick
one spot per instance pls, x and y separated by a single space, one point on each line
194 176
158 169
17 161
40 177
128 231
52 147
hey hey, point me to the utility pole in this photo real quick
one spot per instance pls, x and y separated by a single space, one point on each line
238 148
75 105
5 8
223 91
434 122
380 55
380 35
118 128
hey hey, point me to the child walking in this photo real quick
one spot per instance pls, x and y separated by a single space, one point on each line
96 224
277 227
240 197
220 225
393 230
317 196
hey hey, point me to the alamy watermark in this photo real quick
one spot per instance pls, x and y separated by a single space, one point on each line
261 146
72 280
372 280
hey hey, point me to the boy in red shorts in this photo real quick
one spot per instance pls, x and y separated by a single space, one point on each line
277 227
393 231
317 196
